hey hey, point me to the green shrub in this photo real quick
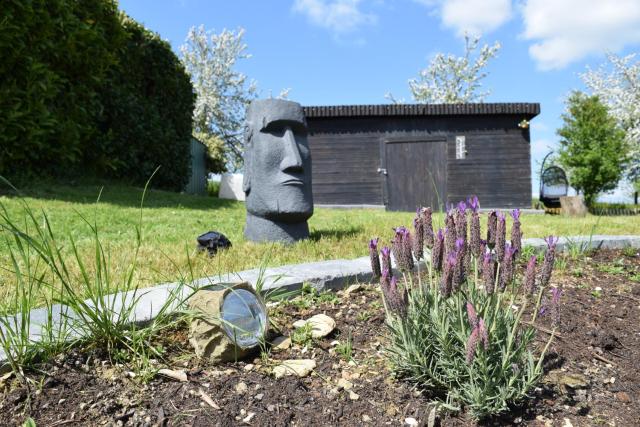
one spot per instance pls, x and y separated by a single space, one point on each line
55 56
148 102
455 330
86 91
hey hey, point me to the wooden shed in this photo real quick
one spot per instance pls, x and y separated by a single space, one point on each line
406 156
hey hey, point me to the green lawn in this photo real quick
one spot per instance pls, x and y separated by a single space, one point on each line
171 222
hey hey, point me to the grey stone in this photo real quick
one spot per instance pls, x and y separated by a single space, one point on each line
277 172
573 206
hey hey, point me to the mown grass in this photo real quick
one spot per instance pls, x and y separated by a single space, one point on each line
171 222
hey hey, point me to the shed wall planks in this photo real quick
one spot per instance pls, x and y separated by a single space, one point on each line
345 151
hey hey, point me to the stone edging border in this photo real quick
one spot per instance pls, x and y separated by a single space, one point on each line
322 275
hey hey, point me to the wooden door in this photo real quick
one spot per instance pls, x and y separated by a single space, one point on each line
416 173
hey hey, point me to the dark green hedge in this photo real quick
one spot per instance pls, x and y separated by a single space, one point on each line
86 91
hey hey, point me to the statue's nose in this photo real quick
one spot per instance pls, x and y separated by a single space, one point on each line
292 161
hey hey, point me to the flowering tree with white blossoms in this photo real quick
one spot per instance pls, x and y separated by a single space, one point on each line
451 79
222 92
618 86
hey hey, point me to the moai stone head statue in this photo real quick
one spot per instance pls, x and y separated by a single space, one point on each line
277 172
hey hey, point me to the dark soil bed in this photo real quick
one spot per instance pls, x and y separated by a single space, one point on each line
592 370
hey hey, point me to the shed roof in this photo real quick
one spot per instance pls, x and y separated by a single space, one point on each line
529 110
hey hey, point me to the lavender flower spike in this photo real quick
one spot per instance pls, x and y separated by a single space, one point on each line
474 238
488 273
472 344
395 299
418 240
516 233
501 229
473 316
402 249
461 221
447 276
473 203
549 259
438 251
484 334
506 273
375 259
386 259
449 234
458 271
530 276
492 223
427 225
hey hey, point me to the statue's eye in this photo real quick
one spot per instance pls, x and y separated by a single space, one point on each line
274 130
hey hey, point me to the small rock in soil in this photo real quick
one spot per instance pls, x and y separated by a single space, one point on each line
411 421
347 385
241 388
321 325
281 343
353 289
353 395
299 367
623 397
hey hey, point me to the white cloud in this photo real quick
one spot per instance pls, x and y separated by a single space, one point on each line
566 31
337 16
474 16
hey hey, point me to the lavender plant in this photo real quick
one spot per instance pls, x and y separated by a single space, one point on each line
454 331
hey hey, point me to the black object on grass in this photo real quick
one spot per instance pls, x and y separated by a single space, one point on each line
212 241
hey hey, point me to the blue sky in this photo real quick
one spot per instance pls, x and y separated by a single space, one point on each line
355 51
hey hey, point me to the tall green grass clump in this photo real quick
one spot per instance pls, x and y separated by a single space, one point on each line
92 308
463 329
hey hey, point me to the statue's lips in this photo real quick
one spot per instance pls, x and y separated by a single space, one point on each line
293 181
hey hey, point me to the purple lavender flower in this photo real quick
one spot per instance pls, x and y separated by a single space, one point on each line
375 259
488 273
492 223
479 332
385 254
446 286
402 248
472 315
449 234
530 276
516 234
484 334
427 222
385 279
458 271
549 259
395 298
461 221
418 239
506 268
501 229
438 251
472 344
473 203
474 238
